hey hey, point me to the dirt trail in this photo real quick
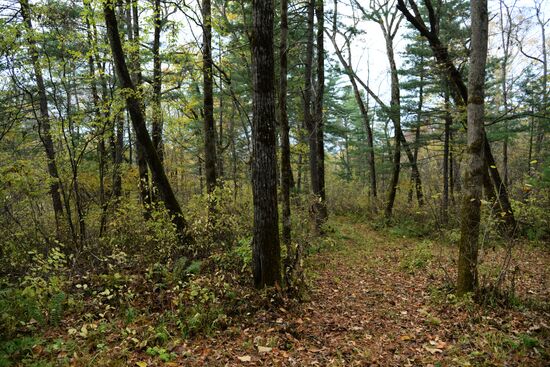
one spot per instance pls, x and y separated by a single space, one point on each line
368 309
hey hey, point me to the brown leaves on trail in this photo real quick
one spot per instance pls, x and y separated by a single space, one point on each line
365 309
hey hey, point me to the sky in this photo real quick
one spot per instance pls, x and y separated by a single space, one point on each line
369 50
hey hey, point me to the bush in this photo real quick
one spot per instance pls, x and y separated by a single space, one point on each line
419 258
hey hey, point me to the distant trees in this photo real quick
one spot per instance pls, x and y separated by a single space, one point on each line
164 104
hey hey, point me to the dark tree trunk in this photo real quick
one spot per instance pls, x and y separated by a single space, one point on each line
320 207
43 120
208 107
286 172
133 103
156 115
133 36
475 171
266 249
415 174
118 141
309 118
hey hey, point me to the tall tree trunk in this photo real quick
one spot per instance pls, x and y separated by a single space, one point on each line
209 128
446 151
395 115
44 129
286 172
133 103
309 118
266 249
475 171
132 22
543 120
320 206
415 174
156 113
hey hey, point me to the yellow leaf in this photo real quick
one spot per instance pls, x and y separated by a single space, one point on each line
141 364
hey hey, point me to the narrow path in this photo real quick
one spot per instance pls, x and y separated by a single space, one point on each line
374 302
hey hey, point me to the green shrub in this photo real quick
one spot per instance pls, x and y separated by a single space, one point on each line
419 258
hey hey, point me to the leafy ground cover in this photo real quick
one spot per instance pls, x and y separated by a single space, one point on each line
374 298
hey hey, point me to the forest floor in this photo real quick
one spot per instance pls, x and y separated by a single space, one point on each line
374 299
380 300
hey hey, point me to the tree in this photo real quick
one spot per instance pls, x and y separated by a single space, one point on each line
475 170
286 172
133 104
208 101
266 249
43 119
320 206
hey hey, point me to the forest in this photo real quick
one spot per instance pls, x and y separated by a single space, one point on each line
278 183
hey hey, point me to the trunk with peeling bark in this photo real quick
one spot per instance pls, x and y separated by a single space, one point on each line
475 171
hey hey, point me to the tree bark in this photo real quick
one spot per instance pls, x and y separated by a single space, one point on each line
156 113
286 172
320 206
395 114
475 171
266 249
309 118
208 102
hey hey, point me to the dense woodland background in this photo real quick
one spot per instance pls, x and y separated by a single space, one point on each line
166 157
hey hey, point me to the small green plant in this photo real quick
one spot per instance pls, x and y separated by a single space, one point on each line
200 310
161 353
419 258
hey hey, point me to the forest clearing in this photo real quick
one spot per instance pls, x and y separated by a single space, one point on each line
274 183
